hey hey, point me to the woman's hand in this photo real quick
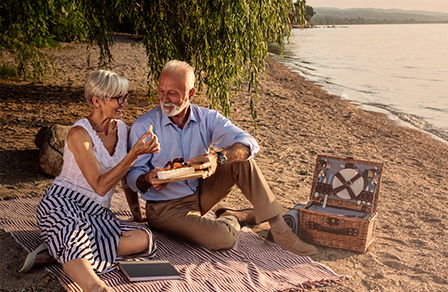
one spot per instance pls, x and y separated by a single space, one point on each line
148 143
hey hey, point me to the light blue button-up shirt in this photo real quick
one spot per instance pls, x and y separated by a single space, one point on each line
204 128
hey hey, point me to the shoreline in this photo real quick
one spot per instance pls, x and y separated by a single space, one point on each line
297 120
395 116
401 118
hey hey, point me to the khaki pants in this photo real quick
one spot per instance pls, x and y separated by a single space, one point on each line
182 218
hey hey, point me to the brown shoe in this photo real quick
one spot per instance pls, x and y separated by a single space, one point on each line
244 216
291 242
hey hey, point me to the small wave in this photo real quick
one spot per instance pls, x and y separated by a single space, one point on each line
346 97
419 78
297 62
443 110
412 67
419 124
367 91
303 70
305 67
405 77
304 62
406 120
327 81
293 59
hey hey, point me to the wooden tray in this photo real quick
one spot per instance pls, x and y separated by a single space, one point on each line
197 174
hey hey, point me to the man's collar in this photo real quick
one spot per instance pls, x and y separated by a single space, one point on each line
165 120
193 114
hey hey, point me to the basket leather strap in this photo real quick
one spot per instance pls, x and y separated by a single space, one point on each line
319 227
346 184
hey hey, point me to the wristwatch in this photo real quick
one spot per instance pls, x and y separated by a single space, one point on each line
222 159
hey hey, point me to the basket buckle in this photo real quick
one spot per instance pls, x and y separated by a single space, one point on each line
332 221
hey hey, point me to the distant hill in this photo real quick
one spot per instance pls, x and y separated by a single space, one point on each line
375 16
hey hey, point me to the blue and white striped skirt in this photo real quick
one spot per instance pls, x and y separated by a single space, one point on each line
75 226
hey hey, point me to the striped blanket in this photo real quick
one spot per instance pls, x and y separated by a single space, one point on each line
251 265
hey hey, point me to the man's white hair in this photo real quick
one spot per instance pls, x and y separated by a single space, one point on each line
174 66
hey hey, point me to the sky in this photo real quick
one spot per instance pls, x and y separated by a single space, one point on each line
425 5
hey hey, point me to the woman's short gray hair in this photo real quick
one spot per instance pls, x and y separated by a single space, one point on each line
176 66
104 84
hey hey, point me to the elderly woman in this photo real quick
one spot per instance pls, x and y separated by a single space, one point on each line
74 218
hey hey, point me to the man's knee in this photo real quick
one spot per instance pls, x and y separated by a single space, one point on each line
224 241
223 236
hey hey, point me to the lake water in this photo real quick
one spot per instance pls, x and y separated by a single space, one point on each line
397 69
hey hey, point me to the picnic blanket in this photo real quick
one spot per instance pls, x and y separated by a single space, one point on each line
251 265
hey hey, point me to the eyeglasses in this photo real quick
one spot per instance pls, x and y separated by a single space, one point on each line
121 98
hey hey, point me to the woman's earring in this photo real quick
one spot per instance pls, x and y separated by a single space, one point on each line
99 106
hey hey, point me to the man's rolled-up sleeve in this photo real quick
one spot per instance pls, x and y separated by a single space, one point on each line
246 139
225 134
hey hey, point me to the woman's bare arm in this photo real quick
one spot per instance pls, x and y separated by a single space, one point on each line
80 145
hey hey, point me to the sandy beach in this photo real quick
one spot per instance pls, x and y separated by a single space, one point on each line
297 120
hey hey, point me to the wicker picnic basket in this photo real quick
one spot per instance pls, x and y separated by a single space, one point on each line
342 210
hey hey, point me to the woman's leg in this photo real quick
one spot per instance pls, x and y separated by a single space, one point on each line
132 241
44 259
81 272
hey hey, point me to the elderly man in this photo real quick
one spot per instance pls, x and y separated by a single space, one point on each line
187 131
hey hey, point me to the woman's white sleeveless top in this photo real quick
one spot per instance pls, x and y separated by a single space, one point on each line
72 177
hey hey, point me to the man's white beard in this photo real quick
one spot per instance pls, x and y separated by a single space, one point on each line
176 110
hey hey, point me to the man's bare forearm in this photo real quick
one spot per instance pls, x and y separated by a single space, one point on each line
236 153
143 183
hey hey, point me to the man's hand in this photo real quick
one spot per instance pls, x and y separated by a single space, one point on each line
144 181
158 187
208 162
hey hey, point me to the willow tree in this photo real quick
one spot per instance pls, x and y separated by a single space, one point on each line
27 26
225 40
